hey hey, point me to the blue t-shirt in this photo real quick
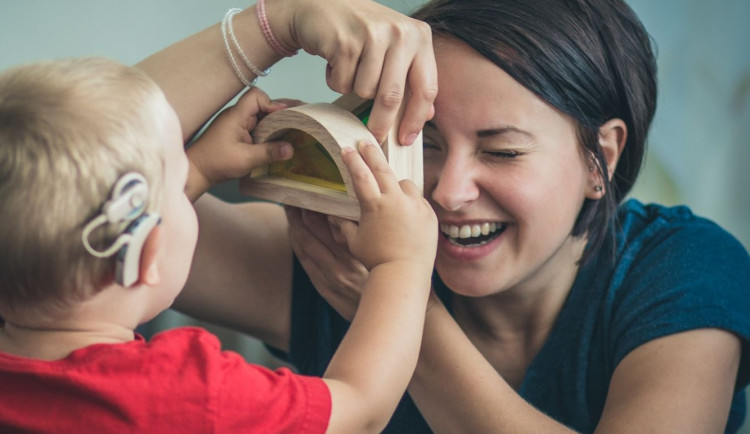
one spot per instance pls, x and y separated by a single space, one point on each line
672 271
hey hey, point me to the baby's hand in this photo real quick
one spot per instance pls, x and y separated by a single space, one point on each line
396 222
225 150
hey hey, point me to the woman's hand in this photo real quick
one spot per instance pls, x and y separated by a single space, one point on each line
371 50
225 150
322 250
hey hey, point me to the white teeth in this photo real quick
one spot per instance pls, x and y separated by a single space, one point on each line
469 231
465 231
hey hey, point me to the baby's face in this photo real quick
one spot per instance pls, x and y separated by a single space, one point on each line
179 224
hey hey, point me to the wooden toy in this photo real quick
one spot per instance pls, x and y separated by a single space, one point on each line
316 178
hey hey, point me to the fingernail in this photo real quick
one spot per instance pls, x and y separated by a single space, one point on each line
346 150
285 151
410 138
280 104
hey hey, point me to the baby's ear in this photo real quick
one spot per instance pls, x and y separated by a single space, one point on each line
148 271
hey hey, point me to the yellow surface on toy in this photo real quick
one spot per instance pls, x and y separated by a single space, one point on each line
311 163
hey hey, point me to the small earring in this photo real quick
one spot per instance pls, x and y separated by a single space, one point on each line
591 168
598 188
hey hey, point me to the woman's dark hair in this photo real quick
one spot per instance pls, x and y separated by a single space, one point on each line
590 59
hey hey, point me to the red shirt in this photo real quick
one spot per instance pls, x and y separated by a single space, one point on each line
178 382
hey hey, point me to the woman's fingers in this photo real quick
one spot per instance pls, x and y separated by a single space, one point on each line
389 96
369 72
408 82
335 273
423 88
341 70
379 54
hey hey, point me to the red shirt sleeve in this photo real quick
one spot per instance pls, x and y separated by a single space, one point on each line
249 398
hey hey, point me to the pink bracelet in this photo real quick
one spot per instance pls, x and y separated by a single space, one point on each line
260 9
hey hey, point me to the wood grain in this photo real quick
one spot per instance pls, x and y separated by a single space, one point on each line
333 125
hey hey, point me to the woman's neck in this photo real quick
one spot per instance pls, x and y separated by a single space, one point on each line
511 326
531 305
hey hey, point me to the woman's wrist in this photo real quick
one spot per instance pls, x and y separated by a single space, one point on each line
276 20
251 43
268 33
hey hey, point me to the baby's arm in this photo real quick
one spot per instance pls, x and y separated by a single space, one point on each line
225 150
396 240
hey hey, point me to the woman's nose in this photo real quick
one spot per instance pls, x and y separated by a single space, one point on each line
455 186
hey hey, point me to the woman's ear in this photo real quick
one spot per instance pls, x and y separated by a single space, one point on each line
148 272
612 137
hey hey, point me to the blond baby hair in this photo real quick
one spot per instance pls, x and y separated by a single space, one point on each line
68 130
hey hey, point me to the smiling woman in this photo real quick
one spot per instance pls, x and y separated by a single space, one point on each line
562 304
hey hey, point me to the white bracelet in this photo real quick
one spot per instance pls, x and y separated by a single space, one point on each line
249 64
226 27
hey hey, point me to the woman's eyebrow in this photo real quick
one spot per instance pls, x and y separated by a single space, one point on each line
502 130
489 132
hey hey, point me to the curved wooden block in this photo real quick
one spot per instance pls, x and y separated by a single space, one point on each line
333 126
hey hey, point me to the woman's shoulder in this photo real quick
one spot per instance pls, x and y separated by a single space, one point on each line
635 213
674 271
670 260
643 228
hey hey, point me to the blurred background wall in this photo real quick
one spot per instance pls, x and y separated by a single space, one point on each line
699 145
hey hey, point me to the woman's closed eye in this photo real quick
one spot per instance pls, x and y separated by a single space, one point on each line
504 154
504 142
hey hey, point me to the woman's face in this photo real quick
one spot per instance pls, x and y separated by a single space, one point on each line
505 175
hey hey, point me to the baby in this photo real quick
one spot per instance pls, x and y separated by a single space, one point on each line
97 235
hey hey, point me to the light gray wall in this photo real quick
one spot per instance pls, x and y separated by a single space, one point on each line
699 138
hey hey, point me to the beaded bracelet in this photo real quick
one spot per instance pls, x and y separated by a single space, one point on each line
226 28
260 9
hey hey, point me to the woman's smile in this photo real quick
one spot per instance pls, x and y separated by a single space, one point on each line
470 241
